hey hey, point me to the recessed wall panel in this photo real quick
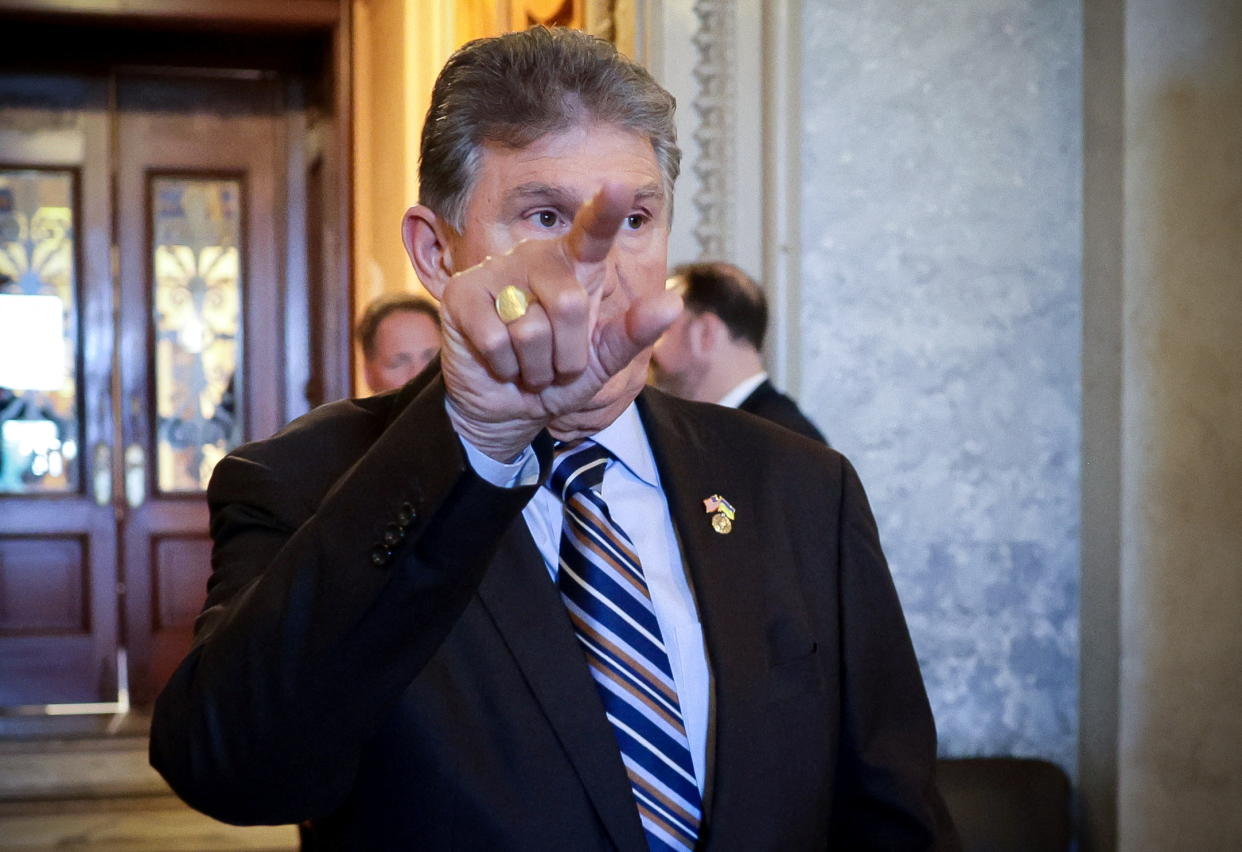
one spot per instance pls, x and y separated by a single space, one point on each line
182 565
42 588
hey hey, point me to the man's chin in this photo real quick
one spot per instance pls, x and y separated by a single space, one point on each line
587 421
605 407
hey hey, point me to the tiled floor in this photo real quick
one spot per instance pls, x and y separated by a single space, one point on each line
130 825
90 788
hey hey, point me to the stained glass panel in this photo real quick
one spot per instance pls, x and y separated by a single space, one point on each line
197 298
40 431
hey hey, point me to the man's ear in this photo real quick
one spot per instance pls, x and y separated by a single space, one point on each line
426 238
704 333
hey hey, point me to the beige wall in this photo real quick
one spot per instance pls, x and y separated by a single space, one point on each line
1180 743
399 47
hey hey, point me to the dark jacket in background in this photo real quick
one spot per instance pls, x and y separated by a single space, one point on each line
767 402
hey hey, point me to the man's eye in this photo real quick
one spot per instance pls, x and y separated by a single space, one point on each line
547 219
635 221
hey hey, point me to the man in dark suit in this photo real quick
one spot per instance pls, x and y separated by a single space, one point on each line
711 353
688 639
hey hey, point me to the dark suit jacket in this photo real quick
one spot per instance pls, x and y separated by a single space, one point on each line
382 650
767 402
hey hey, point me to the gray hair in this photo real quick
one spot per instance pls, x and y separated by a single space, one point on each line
516 88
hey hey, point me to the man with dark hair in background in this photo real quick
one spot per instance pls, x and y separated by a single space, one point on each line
399 334
525 603
712 352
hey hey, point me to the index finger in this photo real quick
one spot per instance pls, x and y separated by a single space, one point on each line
595 227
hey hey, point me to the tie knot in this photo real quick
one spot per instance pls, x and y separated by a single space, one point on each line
577 468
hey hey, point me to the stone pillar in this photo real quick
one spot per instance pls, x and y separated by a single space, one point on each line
1180 746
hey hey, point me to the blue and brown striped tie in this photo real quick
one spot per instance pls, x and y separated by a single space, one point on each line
601 581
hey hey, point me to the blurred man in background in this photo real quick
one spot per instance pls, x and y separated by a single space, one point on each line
712 352
399 334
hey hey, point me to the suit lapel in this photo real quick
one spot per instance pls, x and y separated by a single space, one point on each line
727 577
529 614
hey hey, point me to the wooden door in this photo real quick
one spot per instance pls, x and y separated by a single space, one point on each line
199 209
172 298
59 632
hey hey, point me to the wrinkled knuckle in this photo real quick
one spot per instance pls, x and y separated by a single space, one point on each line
537 380
492 343
571 304
526 332
570 368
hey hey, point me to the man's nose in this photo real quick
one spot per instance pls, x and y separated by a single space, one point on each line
612 272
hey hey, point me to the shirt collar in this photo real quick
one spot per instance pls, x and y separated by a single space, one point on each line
627 440
743 389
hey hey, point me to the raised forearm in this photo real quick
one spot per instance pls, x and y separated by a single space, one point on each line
306 643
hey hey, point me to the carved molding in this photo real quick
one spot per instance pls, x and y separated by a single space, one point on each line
713 105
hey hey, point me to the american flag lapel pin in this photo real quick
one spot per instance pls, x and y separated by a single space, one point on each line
722 512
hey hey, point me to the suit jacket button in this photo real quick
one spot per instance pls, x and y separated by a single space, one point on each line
406 514
379 556
392 534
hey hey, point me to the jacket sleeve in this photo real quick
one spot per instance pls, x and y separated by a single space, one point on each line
321 609
885 789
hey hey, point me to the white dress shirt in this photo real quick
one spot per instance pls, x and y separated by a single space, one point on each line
631 488
741 390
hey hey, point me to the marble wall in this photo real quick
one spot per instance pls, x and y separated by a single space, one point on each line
940 334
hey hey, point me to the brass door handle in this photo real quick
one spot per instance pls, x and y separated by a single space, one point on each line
135 476
101 480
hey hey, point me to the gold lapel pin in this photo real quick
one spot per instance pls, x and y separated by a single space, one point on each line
722 512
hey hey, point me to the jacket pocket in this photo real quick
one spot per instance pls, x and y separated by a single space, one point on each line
796 675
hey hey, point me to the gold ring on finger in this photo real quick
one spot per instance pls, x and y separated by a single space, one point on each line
512 303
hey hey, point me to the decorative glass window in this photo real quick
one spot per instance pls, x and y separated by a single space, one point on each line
196 304
40 428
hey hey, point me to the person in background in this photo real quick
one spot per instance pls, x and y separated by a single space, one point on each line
399 334
711 353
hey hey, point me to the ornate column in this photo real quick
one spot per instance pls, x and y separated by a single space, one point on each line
714 111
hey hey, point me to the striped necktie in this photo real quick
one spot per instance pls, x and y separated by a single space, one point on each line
602 584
